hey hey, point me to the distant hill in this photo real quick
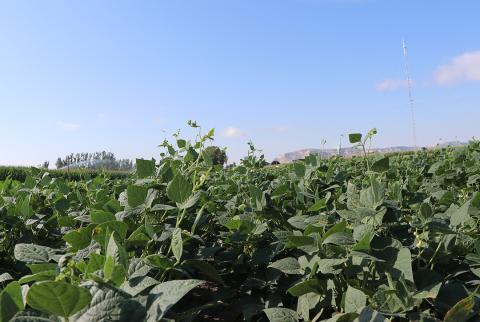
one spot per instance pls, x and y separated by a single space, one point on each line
351 151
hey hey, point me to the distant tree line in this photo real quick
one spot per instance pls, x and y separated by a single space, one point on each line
45 165
96 160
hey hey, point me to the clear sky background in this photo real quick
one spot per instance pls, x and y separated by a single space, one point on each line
82 76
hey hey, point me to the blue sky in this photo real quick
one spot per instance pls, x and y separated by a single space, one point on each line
121 75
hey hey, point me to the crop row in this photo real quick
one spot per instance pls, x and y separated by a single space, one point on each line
21 173
364 239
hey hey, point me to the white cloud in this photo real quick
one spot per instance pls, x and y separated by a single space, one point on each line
232 132
68 126
465 67
391 85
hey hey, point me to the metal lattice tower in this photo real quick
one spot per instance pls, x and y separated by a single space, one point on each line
410 96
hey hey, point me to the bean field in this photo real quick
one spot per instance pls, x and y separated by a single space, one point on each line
371 238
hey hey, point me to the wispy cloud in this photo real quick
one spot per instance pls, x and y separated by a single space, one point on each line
391 84
68 126
464 67
232 132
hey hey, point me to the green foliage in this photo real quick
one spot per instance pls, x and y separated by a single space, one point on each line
216 155
145 168
165 295
355 137
11 301
354 300
370 238
179 189
281 315
21 173
58 298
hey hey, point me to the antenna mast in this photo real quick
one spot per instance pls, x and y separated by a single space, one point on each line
410 96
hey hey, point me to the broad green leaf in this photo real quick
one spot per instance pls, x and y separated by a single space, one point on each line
367 314
329 265
138 267
114 272
108 268
99 217
429 292
425 212
337 228
287 265
354 137
190 202
319 205
5 277
345 317
179 189
299 222
34 316
38 268
117 252
299 169
391 300
118 275
447 198
62 204
26 210
436 166
177 244
299 241
308 286
79 238
475 200
354 300
103 231
460 216
95 263
381 164
403 263
181 143
111 304
58 298
339 239
280 314
280 190
197 219
162 297
29 182
306 303
207 158
159 261
136 195
364 243
31 253
373 196
11 301
137 285
112 206
145 168
258 198
38 277
463 310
